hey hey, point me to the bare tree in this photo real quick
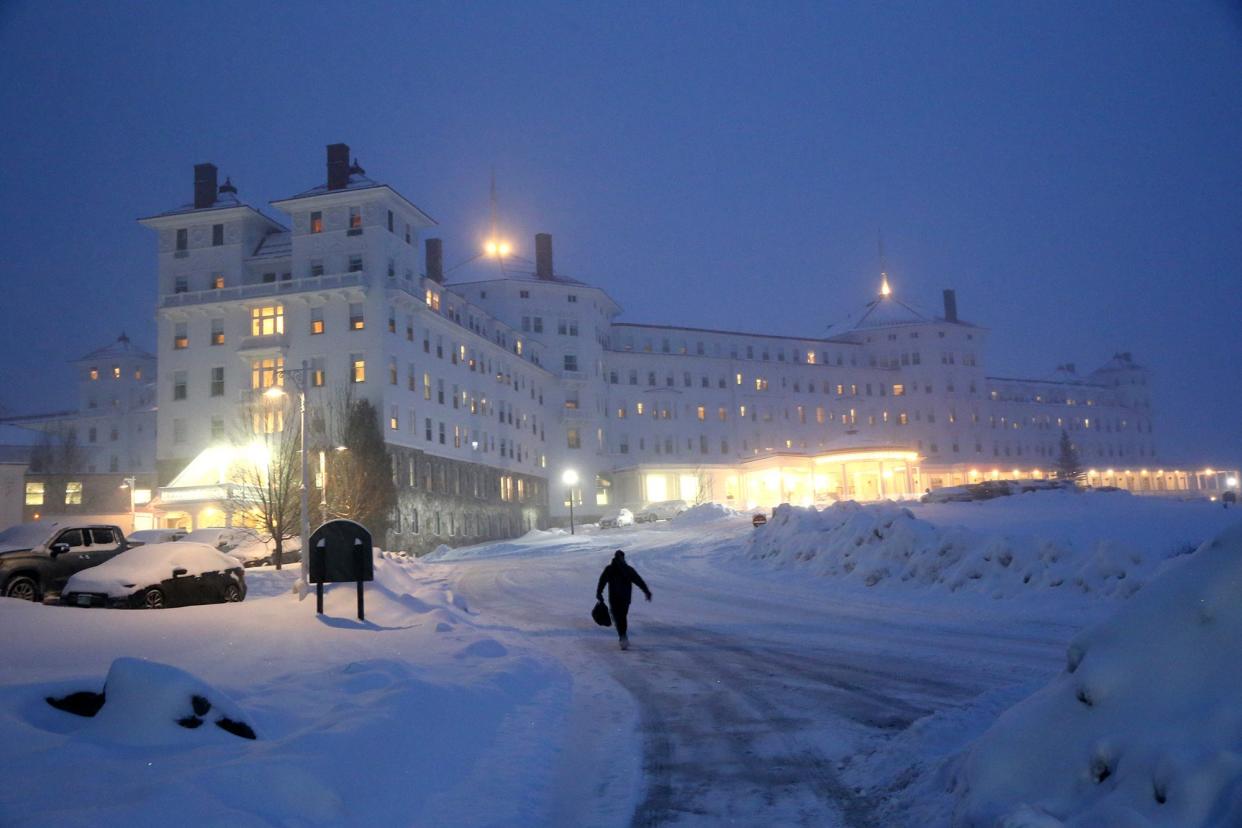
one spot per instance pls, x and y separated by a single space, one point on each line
706 479
267 474
58 451
361 486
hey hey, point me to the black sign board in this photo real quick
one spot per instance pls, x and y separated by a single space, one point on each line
340 550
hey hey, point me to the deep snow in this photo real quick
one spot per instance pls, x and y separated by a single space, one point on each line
760 689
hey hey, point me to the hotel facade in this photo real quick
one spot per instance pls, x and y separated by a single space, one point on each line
495 377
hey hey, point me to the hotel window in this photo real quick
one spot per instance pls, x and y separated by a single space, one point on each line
442 438
179 385
701 412
217 281
571 362
267 373
316 325
572 439
269 278
356 319
739 379
267 321
358 368
183 239
316 267
217 235
181 285
217 428
116 372
317 372
94 373
393 421
355 264
722 414
899 390
741 412
355 218
819 414
268 420
390 221
217 381
34 494
73 493
392 370
638 409
181 336
316 225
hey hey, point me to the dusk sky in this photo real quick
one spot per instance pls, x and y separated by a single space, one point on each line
1073 170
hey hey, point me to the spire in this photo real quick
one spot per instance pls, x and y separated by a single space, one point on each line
495 246
885 290
492 202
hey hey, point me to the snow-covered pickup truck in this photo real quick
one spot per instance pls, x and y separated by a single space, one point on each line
36 559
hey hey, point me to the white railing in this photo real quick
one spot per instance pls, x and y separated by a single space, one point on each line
299 285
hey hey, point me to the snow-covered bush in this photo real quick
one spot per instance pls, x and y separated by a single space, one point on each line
1144 727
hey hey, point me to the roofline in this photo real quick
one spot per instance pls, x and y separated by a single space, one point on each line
1083 383
204 210
308 194
721 331
17 419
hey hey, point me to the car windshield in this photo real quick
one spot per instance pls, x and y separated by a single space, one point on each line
26 535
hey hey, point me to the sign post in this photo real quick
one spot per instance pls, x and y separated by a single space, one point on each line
341 551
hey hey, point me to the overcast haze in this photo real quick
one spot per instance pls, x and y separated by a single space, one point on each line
1073 170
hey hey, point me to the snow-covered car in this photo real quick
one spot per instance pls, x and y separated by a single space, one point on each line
664 510
260 552
154 536
37 558
616 518
222 538
159 575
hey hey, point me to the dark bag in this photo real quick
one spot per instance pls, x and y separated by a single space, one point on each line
601 614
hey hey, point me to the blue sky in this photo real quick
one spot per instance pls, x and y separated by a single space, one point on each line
1073 170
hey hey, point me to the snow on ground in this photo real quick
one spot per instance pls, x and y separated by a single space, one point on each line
1144 726
751 694
1089 543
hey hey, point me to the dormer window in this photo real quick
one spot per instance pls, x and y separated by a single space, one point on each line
183 239
355 218
316 224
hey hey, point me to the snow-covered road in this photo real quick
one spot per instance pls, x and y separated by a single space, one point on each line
746 693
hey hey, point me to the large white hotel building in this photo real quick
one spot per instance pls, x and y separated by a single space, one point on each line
495 377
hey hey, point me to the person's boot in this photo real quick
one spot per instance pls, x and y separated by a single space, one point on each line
625 642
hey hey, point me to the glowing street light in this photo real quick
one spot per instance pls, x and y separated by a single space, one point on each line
130 483
570 479
497 248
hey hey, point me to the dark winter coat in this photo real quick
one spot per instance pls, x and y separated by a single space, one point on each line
619 575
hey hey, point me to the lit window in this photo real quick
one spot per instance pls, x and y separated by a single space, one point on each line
358 368
572 439
217 281
116 372
702 413
739 379
267 373
356 319
267 321
355 217
73 493
317 373
181 338
217 332
316 222
34 494
899 390
316 326
94 373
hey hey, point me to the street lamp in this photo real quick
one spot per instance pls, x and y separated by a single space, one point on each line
298 376
570 479
130 483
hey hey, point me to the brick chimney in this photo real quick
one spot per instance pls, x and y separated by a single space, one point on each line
434 253
950 305
205 188
543 256
338 166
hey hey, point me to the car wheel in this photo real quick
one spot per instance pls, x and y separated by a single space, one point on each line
153 598
232 594
22 587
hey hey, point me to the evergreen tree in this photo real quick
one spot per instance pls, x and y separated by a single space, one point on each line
1068 465
362 487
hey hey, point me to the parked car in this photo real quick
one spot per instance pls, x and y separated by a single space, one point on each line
664 510
37 558
222 538
616 518
159 575
260 552
154 536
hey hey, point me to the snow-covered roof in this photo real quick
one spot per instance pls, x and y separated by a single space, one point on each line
277 245
357 181
484 268
123 347
882 312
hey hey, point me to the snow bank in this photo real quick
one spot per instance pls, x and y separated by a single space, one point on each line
1144 727
703 513
886 544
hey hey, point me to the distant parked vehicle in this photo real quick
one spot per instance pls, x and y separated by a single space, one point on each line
949 494
259 552
988 489
664 510
155 536
616 518
37 558
223 538
159 575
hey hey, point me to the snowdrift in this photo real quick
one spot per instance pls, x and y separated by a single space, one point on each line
885 544
703 513
1144 727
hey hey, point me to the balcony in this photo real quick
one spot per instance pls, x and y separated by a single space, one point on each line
305 284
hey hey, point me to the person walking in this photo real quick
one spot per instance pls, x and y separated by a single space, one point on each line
619 576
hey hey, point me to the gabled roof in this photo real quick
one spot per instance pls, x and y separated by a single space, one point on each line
483 268
121 348
357 183
274 246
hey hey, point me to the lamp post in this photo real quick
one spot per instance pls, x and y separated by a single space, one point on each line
570 479
298 376
130 483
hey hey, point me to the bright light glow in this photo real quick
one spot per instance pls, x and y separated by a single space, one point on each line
885 290
504 248
852 456
570 477
489 247
274 392
657 488
497 248
1231 482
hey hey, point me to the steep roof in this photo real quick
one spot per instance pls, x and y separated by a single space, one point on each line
119 349
484 268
